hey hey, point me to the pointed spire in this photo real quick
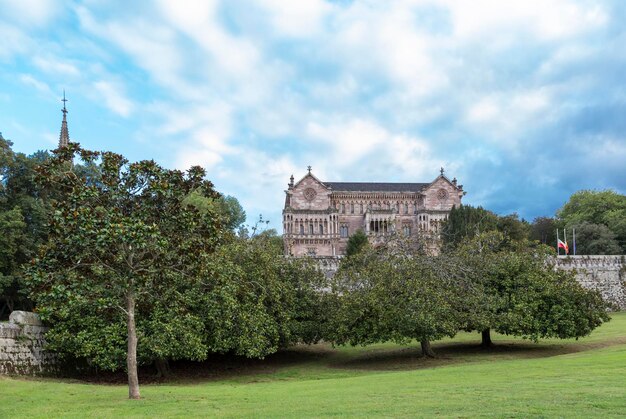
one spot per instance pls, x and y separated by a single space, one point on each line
64 137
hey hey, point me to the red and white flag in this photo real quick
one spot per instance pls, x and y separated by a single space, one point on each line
563 245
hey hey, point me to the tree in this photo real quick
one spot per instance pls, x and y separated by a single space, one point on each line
390 294
543 230
465 222
12 227
356 243
596 207
228 207
23 223
596 239
513 228
123 250
234 211
523 293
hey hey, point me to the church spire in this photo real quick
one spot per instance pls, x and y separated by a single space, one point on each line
64 137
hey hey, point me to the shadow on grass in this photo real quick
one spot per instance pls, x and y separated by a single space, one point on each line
324 356
409 358
217 367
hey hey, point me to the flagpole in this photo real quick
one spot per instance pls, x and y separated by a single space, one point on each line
565 240
558 250
574 239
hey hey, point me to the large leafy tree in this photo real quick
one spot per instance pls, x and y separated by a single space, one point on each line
123 261
543 230
524 295
258 301
466 222
24 212
596 239
228 207
607 208
395 293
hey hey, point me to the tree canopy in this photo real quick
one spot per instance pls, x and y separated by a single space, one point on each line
607 208
356 243
524 295
398 291
135 273
123 251
24 209
465 222
395 292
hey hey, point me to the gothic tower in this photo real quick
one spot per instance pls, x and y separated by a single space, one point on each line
64 137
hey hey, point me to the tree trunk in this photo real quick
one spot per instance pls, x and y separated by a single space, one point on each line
426 349
162 366
131 355
486 338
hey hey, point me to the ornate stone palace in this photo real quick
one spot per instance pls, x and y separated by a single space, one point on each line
319 217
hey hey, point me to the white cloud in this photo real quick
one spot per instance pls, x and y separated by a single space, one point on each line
206 132
150 44
351 141
302 18
55 66
197 19
114 97
13 41
502 118
42 87
30 12
346 146
547 20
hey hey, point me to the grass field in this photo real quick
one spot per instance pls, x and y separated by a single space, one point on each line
585 378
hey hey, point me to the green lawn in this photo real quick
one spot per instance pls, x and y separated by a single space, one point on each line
585 378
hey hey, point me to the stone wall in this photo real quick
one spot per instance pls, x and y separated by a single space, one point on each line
21 346
607 274
328 264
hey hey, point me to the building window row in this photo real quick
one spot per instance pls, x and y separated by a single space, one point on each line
352 208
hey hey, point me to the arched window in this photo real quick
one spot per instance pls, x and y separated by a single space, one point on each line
321 229
301 230
343 208
351 208
311 229
343 231
406 208
361 208
406 229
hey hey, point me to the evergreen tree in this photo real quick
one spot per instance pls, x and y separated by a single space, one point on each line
356 243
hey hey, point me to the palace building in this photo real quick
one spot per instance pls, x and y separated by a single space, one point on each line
319 216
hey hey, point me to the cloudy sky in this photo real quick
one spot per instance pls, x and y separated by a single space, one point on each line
523 101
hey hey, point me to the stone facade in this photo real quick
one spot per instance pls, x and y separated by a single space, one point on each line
319 217
606 274
22 346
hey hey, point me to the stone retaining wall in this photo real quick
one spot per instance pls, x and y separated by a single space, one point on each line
21 346
607 274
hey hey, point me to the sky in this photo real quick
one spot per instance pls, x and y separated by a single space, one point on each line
524 102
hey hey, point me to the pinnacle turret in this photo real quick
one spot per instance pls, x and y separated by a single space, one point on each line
64 137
